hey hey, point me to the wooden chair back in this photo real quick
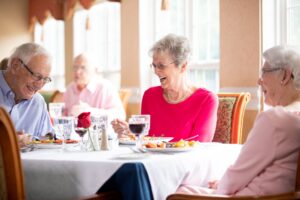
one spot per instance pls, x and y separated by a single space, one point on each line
57 96
230 117
298 175
10 162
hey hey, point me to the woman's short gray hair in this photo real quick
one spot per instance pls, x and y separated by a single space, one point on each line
178 48
28 50
287 57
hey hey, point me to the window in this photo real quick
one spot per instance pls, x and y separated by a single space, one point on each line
51 36
293 22
198 20
281 23
102 39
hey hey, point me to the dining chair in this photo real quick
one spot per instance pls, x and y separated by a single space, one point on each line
285 196
57 96
11 174
230 117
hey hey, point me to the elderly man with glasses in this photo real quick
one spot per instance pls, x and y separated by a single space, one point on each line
28 71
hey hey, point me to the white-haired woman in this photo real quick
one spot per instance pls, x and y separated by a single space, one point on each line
268 160
177 108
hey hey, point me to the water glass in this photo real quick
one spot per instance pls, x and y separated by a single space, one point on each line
63 127
56 109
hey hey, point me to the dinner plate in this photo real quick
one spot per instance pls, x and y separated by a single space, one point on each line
132 156
128 141
170 150
53 145
48 146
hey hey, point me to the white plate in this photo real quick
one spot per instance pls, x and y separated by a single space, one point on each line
48 146
132 156
170 150
128 141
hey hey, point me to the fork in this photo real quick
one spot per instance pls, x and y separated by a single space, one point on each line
138 150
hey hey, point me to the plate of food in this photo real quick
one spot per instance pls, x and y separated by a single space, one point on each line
52 144
130 139
171 147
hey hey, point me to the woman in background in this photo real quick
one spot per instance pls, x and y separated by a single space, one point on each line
177 108
268 160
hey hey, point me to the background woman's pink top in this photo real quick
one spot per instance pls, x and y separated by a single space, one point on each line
197 115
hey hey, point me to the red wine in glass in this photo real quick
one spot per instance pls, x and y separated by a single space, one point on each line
81 132
137 129
137 126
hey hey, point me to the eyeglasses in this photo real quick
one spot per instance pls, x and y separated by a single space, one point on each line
160 66
36 77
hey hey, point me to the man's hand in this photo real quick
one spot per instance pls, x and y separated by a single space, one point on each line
23 138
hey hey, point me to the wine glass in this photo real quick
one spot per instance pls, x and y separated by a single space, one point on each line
137 126
81 132
147 122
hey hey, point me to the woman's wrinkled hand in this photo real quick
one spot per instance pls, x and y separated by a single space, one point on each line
120 127
213 184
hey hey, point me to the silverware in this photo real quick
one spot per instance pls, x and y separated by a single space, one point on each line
138 150
191 137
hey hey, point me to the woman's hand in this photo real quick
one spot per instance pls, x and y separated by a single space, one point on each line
120 127
213 184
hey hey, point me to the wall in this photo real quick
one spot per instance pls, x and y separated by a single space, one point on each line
14 25
241 52
130 67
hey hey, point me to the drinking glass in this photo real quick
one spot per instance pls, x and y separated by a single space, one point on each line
63 127
137 126
147 122
56 109
81 132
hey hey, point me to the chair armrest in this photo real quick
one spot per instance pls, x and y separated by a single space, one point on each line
284 196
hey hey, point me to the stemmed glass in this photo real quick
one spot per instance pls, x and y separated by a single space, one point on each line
137 126
81 132
147 122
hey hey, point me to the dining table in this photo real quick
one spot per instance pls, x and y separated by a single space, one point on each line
65 173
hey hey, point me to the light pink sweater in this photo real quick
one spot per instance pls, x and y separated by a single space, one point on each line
268 160
197 115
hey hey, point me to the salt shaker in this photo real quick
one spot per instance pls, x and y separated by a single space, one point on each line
104 140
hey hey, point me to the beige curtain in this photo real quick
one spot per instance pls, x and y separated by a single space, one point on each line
40 10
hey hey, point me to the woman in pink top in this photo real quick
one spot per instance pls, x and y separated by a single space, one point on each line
268 160
177 108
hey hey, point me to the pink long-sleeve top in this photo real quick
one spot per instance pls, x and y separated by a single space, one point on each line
197 115
268 160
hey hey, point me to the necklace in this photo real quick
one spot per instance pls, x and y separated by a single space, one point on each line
184 96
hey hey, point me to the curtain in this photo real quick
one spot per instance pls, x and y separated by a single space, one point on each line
40 10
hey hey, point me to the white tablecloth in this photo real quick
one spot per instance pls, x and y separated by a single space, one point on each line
53 174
